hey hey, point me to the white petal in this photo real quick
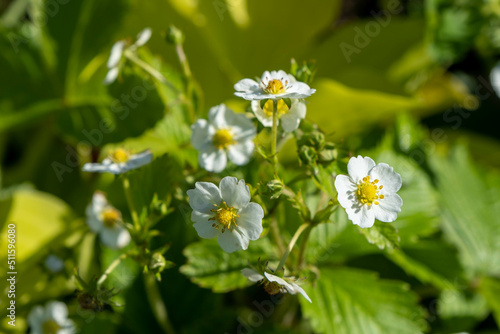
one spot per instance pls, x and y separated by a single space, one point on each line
252 275
57 311
262 116
346 190
115 238
298 108
116 54
301 291
203 225
235 193
111 75
246 85
218 116
240 153
102 168
359 167
68 327
388 208
213 159
231 241
250 220
266 76
143 37
281 75
495 78
36 318
301 88
201 135
204 196
258 95
242 127
363 216
390 180
138 160
274 278
290 122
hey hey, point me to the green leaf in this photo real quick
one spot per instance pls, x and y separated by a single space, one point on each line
382 235
348 301
210 267
461 311
430 262
470 214
490 289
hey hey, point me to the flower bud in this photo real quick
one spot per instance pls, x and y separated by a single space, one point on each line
174 35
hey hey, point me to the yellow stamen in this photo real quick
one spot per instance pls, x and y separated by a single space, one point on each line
222 138
225 216
368 192
282 108
110 217
275 86
272 288
50 327
119 155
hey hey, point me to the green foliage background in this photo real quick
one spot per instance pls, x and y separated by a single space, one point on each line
416 96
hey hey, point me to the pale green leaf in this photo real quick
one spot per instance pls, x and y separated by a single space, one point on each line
382 235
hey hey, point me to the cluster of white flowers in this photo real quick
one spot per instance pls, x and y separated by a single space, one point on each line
105 220
51 319
116 55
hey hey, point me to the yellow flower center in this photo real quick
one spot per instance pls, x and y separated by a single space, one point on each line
368 191
110 217
282 108
275 86
50 327
225 217
119 155
222 138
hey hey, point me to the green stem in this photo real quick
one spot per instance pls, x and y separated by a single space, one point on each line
189 79
275 230
275 136
291 244
302 251
110 268
154 73
130 202
156 303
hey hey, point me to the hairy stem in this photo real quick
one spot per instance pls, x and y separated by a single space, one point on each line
291 244
110 268
130 202
157 304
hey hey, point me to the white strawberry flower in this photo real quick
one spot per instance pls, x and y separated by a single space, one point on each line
224 135
51 319
369 192
117 51
290 117
274 284
226 212
105 220
275 85
120 161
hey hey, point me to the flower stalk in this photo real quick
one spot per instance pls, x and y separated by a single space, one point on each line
275 136
130 202
157 305
295 237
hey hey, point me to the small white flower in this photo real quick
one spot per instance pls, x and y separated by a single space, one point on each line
275 85
495 78
226 213
105 220
290 117
224 135
120 161
51 319
117 51
274 284
369 192
54 263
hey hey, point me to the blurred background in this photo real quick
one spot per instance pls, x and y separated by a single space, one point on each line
412 83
